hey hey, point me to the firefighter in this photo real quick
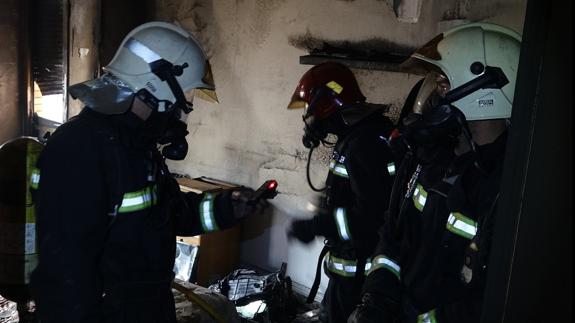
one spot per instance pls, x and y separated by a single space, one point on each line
108 209
431 262
358 184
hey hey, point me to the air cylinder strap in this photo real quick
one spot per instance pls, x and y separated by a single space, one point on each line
317 279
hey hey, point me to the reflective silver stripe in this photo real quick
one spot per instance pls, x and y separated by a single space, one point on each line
35 178
419 197
341 222
391 168
139 200
422 199
344 267
382 261
207 214
142 51
428 317
338 169
461 225
368 266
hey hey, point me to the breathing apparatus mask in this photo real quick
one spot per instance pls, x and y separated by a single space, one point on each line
435 126
315 129
167 125
157 62
329 93
167 122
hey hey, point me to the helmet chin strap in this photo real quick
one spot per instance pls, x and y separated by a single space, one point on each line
177 146
167 72
163 69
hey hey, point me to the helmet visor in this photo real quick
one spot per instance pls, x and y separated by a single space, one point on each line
432 91
207 93
298 99
297 104
106 94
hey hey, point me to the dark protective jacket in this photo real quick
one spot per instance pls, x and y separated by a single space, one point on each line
432 254
107 216
358 186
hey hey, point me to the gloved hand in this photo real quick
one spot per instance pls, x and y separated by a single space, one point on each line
243 205
302 230
375 309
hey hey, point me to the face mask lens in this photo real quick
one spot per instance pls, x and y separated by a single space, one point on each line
433 89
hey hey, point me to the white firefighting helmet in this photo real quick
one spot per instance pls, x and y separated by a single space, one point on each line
133 69
462 54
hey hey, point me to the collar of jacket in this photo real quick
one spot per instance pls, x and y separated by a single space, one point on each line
129 128
375 120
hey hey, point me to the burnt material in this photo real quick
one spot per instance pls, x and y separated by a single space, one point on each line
372 54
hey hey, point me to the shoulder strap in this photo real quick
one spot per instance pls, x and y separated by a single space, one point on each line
112 164
317 279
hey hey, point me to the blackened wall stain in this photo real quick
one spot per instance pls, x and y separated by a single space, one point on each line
372 47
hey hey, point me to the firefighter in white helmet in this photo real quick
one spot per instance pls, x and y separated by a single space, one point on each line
431 261
108 209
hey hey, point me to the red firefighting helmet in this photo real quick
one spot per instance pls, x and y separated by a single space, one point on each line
324 89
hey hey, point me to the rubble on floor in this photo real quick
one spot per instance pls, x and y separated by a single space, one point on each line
306 313
189 312
8 311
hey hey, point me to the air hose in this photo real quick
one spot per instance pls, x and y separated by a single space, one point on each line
307 173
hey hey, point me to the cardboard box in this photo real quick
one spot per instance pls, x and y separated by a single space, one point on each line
219 252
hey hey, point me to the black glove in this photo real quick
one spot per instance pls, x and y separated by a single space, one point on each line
303 230
243 204
375 309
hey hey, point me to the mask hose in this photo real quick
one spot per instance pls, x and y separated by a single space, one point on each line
315 189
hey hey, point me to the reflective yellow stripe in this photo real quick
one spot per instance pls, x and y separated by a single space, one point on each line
344 267
391 169
341 223
207 214
382 261
336 87
428 317
461 225
419 197
35 178
139 200
338 169
33 150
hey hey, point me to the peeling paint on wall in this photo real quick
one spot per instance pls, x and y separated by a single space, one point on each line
83 63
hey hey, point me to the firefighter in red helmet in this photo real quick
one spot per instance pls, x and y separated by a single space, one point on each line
358 184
